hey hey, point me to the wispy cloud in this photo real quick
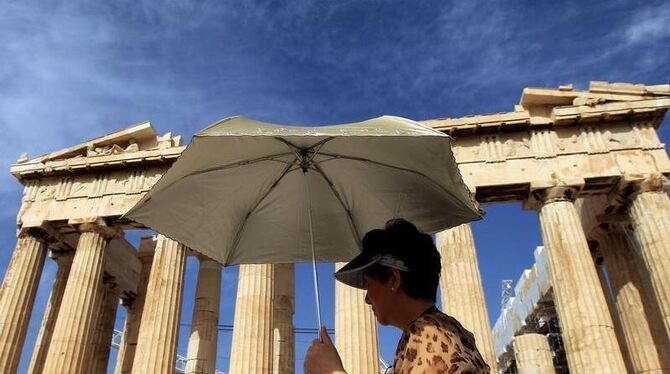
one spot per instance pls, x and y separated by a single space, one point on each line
54 68
649 25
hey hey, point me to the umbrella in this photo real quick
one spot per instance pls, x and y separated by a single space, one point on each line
246 192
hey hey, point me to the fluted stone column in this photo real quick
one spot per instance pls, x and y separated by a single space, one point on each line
105 329
601 270
461 287
72 343
587 329
17 296
646 355
157 341
649 212
201 354
356 336
64 261
284 339
131 328
532 354
252 335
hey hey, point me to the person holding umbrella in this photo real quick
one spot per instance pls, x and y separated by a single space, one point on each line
399 267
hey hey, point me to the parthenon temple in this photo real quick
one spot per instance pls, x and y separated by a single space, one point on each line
590 162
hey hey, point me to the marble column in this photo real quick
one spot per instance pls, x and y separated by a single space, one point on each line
588 332
284 339
201 353
649 211
356 336
532 354
252 335
72 342
602 271
134 307
64 261
17 295
156 349
105 329
646 355
461 287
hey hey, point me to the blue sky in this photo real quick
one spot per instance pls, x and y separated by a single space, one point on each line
74 70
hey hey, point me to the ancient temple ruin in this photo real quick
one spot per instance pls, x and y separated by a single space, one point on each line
589 162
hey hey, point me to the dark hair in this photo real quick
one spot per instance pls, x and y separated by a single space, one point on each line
401 239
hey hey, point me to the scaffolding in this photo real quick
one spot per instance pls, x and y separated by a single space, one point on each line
180 362
506 292
530 309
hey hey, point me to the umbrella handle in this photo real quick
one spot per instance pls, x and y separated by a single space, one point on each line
314 271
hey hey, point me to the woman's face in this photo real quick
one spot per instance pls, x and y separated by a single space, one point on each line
380 297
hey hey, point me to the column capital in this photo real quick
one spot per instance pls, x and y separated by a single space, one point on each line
107 232
37 232
654 182
43 230
630 186
553 194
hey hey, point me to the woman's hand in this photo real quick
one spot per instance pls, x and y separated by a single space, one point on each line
322 357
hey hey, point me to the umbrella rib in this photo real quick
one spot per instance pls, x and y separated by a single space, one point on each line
321 143
334 156
344 206
294 149
241 163
238 234
297 149
325 159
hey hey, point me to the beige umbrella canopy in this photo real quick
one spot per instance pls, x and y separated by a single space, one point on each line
246 192
241 191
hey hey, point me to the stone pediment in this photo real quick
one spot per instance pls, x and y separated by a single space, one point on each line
598 93
125 147
140 137
547 107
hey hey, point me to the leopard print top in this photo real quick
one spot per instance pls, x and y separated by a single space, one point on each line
436 343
